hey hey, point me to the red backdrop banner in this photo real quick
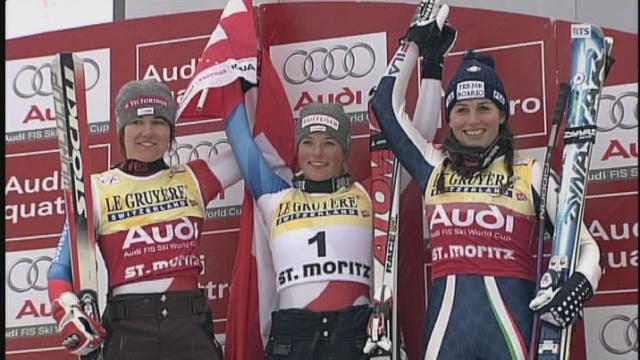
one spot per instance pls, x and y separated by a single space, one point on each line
532 55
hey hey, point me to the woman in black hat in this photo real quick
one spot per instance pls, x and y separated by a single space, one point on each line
481 200
148 221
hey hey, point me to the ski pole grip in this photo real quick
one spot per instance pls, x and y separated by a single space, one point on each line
89 304
561 105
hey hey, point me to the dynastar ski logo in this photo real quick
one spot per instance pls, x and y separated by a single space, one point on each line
580 135
587 96
576 186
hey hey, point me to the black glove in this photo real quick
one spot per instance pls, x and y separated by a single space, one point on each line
562 305
433 37
433 55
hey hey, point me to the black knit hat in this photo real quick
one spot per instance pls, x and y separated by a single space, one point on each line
145 97
476 78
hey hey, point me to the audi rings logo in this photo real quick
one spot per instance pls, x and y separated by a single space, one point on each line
336 63
613 109
627 329
29 274
204 150
34 80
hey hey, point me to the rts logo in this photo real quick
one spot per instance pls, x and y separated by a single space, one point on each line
580 31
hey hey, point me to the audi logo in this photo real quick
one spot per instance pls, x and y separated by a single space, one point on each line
614 105
203 150
27 274
336 63
34 80
629 334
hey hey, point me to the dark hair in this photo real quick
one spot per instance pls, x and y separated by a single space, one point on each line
504 132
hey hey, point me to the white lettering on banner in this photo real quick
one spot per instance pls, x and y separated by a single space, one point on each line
185 230
471 251
616 231
15 212
529 105
178 95
491 219
622 259
32 186
215 291
184 72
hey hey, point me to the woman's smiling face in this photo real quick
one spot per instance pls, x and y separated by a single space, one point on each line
476 122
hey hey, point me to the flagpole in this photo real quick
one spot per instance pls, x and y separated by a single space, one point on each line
201 100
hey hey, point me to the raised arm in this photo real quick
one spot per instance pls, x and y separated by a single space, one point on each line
410 141
216 174
256 170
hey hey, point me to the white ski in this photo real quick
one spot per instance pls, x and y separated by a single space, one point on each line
590 51
68 84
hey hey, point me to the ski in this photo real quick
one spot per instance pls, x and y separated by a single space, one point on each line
68 85
383 342
590 51
558 115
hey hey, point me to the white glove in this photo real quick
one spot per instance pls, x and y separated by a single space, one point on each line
82 334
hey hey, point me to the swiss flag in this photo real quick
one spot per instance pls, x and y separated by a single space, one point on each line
225 85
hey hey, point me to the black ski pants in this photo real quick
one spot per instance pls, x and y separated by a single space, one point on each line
168 326
305 335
